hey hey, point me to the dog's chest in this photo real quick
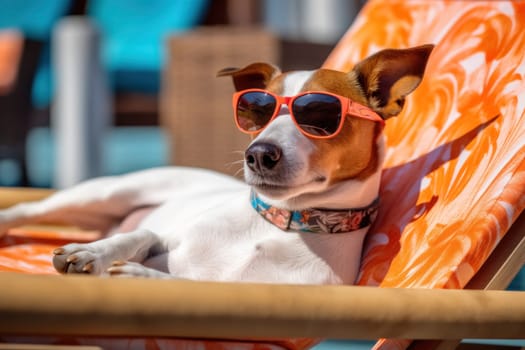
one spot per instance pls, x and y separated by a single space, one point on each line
218 236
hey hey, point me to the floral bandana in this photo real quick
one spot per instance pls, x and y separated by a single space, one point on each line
317 220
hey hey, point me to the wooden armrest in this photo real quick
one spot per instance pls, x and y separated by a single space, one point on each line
12 195
83 305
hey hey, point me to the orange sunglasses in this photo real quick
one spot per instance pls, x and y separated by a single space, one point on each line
317 114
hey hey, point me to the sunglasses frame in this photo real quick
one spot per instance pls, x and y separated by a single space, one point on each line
348 108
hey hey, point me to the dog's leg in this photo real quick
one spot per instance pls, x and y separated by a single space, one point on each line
96 257
102 203
96 204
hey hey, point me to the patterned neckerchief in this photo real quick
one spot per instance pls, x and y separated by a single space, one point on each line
317 220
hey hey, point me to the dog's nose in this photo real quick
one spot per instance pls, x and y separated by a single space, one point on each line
262 156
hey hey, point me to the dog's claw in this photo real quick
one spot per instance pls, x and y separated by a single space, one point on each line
115 268
72 259
87 268
59 251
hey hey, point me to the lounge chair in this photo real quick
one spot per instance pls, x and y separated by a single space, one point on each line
451 218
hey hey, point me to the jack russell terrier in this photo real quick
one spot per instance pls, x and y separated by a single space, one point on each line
312 173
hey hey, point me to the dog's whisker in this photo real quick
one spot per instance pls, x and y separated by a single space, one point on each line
234 163
239 172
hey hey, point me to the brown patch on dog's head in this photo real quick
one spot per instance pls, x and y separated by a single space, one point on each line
352 154
380 82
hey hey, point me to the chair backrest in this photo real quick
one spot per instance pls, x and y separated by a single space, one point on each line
454 178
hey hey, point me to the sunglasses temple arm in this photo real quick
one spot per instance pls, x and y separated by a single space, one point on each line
358 110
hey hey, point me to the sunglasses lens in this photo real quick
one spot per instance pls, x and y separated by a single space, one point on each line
317 114
254 110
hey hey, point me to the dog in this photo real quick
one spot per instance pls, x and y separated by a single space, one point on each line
312 175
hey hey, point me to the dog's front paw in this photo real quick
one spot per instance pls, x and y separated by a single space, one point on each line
79 258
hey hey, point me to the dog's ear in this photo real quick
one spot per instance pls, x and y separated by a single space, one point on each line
254 76
388 76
